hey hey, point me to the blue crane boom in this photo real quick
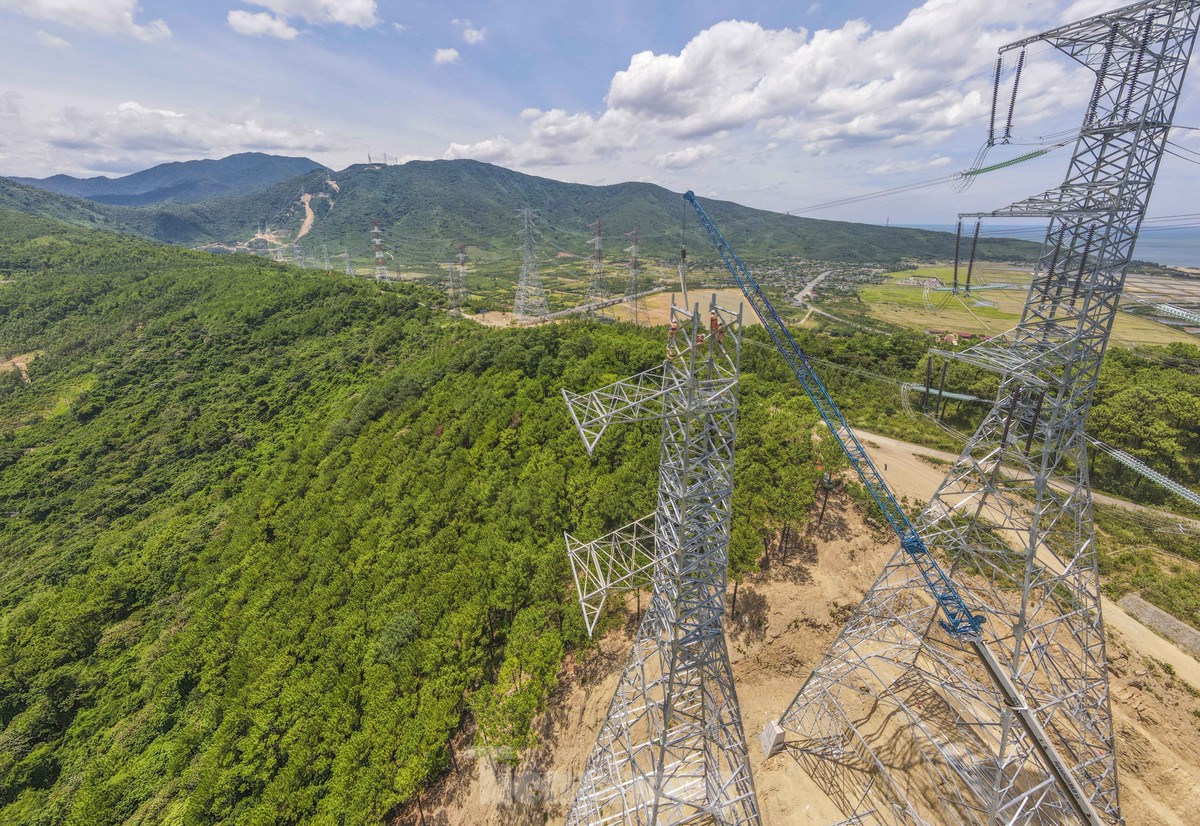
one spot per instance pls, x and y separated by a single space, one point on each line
958 618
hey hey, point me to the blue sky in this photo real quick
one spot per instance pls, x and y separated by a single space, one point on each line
781 105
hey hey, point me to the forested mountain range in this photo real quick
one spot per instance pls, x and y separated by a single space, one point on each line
428 208
181 181
271 538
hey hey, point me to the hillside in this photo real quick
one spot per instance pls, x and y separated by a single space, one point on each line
184 181
428 208
274 539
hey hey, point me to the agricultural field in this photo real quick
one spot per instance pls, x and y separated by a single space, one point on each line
986 312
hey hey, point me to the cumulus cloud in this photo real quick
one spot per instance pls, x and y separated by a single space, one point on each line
684 158
260 24
895 167
362 13
473 35
52 40
555 138
849 86
99 16
442 56
134 135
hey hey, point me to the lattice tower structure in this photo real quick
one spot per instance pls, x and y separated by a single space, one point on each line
672 749
349 267
328 264
636 304
898 723
456 281
530 301
381 270
596 292
298 255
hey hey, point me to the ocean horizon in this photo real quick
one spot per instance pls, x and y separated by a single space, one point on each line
1169 247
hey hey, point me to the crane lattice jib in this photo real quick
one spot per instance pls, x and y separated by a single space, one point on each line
959 619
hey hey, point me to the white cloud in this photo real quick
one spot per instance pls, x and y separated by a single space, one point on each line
894 167
908 85
555 138
52 40
134 136
473 35
362 13
259 24
442 56
401 28
100 16
684 158
1086 8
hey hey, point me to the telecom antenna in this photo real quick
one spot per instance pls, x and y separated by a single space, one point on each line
634 276
381 270
349 268
672 749
596 292
898 723
530 301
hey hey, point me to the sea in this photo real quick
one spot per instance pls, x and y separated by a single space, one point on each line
1171 247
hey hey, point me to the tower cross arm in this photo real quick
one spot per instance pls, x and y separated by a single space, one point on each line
636 399
619 561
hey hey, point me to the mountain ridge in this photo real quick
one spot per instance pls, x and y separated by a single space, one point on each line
180 181
427 208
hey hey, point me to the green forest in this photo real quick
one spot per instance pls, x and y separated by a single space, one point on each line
272 537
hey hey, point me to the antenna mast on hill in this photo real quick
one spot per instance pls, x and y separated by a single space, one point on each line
530 301
898 723
672 749
381 270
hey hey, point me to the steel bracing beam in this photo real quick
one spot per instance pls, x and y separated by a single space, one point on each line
903 723
671 749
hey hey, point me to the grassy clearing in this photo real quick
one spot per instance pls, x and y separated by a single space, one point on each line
904 305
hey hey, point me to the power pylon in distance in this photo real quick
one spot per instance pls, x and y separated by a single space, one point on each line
530 301
596 292
381 270
671 749
635 274
898 723
456 281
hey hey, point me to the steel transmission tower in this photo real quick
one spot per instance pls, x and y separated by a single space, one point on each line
899 722
635 270
671 749
456 281
530 301
349 268
381 270
596 292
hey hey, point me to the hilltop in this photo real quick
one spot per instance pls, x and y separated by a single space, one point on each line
181 181
428 208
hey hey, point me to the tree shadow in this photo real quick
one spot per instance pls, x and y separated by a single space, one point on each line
749 619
